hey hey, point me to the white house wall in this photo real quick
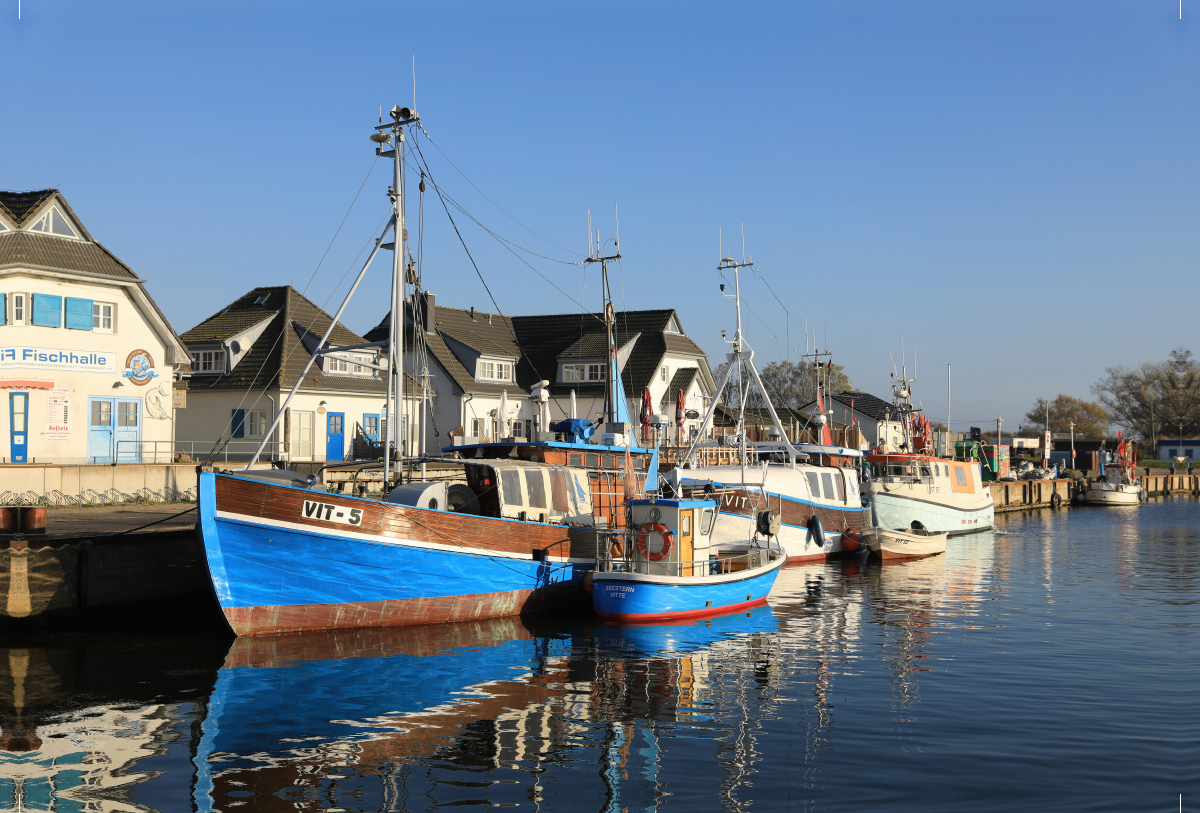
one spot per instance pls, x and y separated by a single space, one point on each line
133 330
209 415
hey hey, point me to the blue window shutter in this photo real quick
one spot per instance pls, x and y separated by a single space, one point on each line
239 423
3 309
47 310
79 314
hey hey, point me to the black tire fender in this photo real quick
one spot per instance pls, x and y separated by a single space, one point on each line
462 499
816 531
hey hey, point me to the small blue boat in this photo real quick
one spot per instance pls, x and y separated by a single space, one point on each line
668 568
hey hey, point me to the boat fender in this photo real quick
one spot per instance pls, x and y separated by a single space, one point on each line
587 582
816 531
643 541
851 541
1056 500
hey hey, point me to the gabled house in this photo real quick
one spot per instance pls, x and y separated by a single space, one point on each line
873 416
472 357
248 356
88 360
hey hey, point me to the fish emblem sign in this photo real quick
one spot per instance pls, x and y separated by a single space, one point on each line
139 367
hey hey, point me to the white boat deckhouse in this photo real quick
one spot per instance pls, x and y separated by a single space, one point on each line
472 358
246 358
87 360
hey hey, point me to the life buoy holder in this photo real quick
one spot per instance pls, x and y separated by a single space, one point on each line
643 541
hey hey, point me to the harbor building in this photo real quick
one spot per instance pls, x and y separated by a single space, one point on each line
872 415
474 360
88 360
1189 450
247 357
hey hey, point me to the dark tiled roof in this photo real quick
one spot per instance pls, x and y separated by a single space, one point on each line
19 205
31 249
278 356
865 403
494 339
682 380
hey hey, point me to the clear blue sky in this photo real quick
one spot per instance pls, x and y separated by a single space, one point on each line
1011 187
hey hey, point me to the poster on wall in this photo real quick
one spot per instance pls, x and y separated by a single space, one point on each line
58 422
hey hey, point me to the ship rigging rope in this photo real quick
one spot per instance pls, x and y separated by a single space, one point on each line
489 200
220 445
516 339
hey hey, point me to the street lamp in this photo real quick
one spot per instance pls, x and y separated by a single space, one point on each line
1072 444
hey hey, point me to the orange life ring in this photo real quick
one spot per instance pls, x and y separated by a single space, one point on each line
643 539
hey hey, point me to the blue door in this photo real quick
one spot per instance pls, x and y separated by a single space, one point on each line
111 420
18 404
371 428
335 438
128 432
100 430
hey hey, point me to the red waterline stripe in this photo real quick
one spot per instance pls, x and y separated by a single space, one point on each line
650 618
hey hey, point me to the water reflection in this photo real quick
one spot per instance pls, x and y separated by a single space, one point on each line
852 664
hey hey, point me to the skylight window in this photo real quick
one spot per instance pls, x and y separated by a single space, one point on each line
54 222
261 299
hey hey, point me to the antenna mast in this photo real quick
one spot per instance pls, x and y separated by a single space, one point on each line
610 393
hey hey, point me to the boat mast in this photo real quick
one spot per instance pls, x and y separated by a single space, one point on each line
395 381
614 372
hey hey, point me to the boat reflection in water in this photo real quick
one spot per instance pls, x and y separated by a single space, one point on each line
368 719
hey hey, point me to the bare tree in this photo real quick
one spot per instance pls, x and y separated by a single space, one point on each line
1154 397
792 384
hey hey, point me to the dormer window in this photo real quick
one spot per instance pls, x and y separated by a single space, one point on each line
208 361
494 371
345 365
54 222
584 372
672 326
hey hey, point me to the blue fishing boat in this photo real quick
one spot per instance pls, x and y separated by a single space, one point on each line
518 534
667 567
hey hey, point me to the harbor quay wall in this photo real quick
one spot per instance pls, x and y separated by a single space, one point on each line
1021 495
64 579
1163 484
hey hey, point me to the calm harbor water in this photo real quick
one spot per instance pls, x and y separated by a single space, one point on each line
1050 664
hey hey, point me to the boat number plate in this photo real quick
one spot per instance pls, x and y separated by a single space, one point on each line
332 513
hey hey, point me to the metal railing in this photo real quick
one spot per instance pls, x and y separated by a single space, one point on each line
195 451
623 560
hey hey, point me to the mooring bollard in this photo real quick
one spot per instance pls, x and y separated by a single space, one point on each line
33 519
8 520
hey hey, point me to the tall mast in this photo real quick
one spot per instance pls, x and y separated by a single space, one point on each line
614 372
395 390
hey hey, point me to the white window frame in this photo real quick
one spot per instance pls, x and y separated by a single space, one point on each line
597 372
337 365
49 215
492 370
256 419
663 373
298 440
573 372
24 307
208 362
98 317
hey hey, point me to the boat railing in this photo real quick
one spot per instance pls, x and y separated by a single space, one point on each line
608 562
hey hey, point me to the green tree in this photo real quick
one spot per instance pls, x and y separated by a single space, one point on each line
1089 417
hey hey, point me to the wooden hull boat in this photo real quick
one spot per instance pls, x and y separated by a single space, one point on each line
900 544
1113 494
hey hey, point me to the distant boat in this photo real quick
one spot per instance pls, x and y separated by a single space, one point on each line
1116 485
670 569
911 483
915 543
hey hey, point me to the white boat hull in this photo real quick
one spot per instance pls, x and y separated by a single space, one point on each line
890 544
898 509
1113 495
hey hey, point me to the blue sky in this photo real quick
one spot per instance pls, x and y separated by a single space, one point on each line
1009 187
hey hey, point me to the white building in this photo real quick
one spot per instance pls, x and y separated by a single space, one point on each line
245 360
87 360
472 359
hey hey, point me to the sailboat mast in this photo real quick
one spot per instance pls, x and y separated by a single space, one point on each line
398 259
